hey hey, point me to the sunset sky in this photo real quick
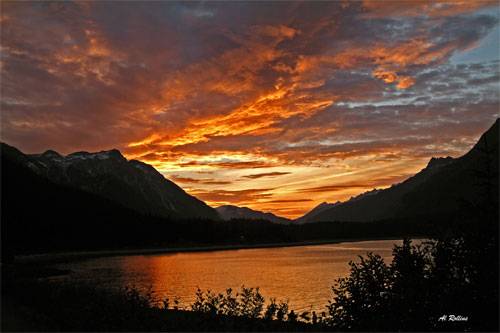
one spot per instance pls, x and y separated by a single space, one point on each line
277 106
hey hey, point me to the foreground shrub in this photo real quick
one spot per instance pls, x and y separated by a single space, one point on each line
447 284
247 303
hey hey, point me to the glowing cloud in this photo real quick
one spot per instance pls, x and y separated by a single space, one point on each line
253 103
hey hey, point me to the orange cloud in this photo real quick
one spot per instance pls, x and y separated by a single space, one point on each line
288 201
187 180
334 188
217 198
314 91
390 77
227 165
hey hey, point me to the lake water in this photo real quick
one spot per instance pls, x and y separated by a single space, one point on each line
302 274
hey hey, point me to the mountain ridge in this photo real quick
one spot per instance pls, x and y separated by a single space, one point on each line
140 186
439 188
228 212
109 174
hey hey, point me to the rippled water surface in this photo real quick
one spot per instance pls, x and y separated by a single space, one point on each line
302 274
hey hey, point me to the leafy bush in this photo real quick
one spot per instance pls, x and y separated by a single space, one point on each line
361 296
449 276
247 303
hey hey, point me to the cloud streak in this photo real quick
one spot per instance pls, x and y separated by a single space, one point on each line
267 174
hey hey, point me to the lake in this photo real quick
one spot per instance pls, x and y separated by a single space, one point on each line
302 274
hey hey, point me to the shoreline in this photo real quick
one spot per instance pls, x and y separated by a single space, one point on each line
82 255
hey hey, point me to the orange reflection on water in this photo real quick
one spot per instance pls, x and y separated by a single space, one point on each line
302 274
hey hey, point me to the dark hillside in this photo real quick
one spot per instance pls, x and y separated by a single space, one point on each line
442 188
39 214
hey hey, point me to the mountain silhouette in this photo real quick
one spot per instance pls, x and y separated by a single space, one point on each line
108 174
443 187
315 211
52 202
228 212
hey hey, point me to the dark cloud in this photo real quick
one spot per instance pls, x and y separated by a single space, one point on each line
267 174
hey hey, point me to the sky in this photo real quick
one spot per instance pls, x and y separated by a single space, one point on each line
273 105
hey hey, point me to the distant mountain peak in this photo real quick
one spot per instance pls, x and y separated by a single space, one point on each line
364 194
228 212
133 184
102 155
437 190
439 161
52 154
113 153
316 210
